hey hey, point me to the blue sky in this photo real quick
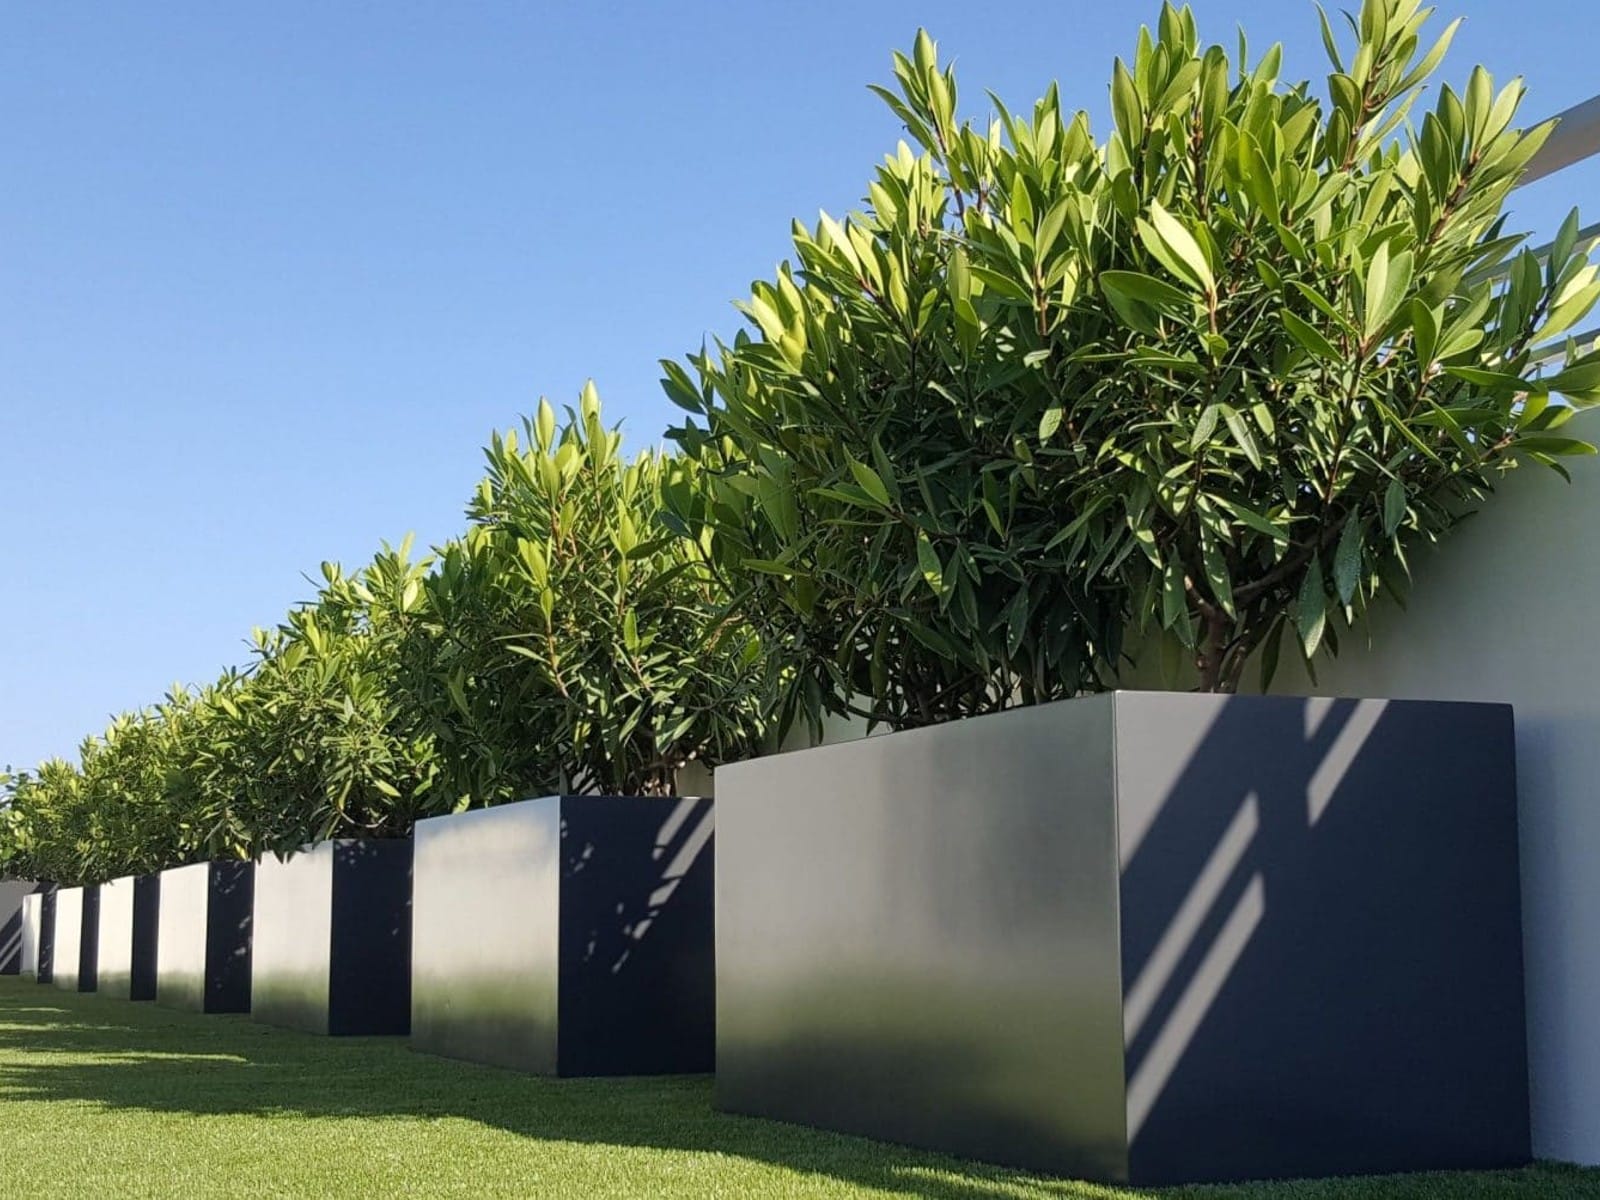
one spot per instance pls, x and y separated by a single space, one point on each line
270 274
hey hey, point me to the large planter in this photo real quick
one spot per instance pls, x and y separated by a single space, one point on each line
1142 938
566 936
77 938
203 937
332 944
38 933
129 909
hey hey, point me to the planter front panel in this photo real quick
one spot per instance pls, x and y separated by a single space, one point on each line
203 938
289 952
1321 937
916 939
77 923
1145 938
332 940
569 935
127 951
484 942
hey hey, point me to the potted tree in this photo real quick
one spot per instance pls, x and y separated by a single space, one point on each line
337 776
123 782
579 653
1207 381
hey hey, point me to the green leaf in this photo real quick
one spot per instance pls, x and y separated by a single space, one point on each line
1543 444
1311 618
1388 280
1249 516
1242 435
1050 421
1204 427
1347 560
928 561
1146 289
1175 248
1311 338
1394 507
870 482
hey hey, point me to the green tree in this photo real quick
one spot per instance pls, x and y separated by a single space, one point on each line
1217 373
571 641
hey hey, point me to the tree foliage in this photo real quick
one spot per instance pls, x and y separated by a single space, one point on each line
1214 374
567 641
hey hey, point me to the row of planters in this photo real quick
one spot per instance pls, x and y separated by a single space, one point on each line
568 936
1049 411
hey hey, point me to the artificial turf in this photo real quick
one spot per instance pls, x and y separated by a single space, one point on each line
99 1097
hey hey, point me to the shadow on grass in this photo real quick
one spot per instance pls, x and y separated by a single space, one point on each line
92 1049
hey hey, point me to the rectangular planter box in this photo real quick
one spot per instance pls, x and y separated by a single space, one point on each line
1141 938
38 933
203 937
566 936
332 945
129 913
77 938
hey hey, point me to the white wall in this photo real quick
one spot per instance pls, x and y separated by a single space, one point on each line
1506 609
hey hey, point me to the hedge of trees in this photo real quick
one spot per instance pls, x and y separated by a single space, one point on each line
1047 401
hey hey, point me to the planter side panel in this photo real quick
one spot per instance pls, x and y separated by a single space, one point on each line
485 947
146 929
77 937
181 937
370 969
292 939
127 949
229 936
916 939
12 893
638 963
1321 937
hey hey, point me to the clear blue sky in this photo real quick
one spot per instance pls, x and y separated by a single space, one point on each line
269 274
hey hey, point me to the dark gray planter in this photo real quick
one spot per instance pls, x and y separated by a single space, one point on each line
12 894
332 944
129 917
77 936
38 932
203 937
1142 938
566 936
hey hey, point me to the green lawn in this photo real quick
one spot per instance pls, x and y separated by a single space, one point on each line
103 1098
